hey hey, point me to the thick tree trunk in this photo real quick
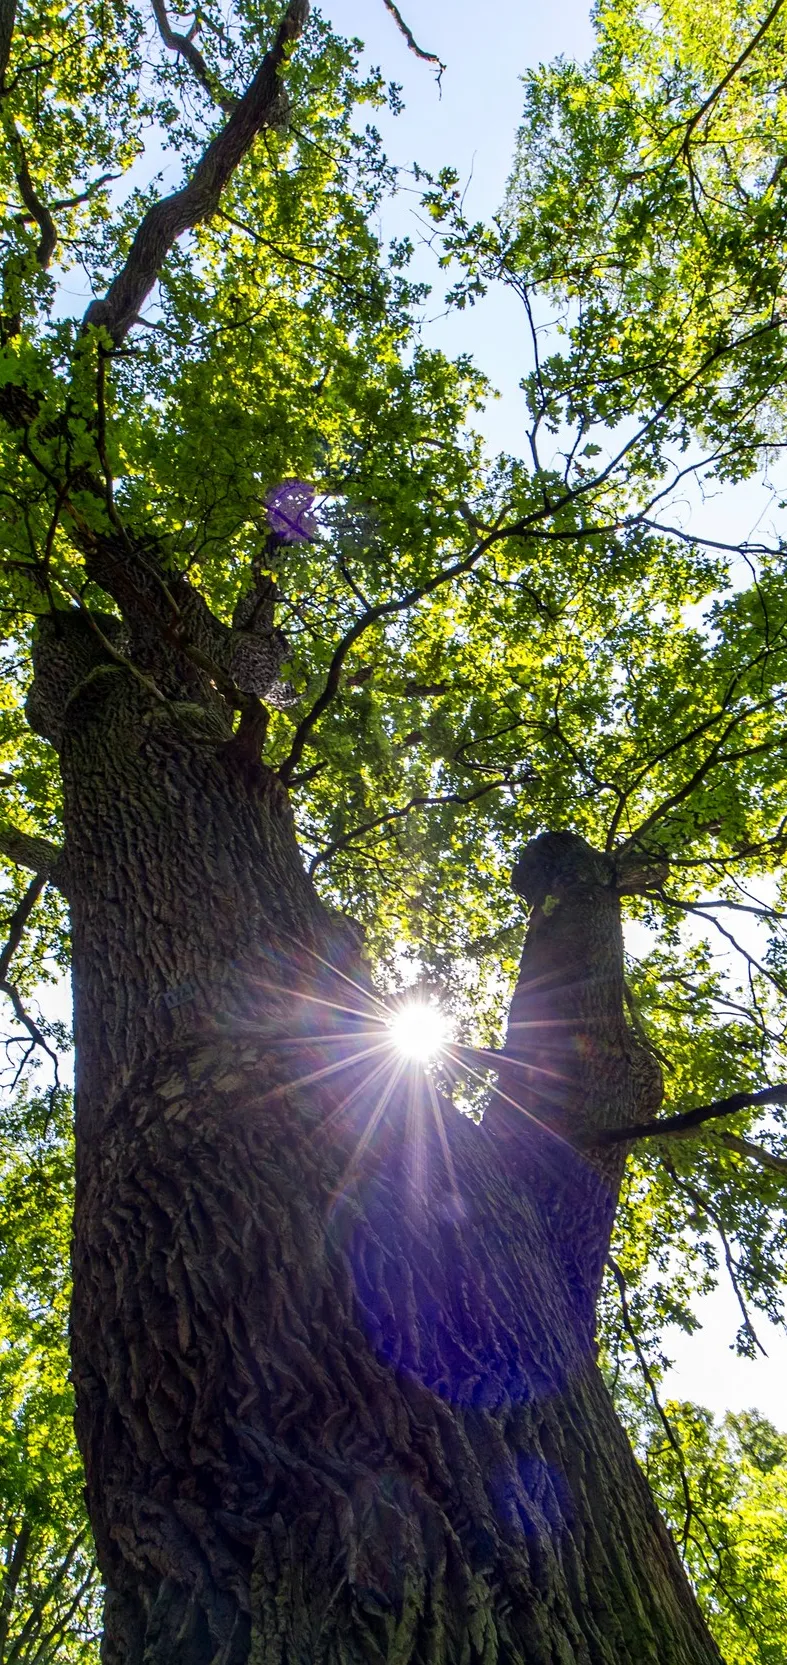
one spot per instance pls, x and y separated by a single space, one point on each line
333 1349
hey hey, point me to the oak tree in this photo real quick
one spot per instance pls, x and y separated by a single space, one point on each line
295 675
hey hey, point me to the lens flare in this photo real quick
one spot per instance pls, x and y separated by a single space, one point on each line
419 1031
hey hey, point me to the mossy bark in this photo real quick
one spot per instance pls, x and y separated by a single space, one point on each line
333 1352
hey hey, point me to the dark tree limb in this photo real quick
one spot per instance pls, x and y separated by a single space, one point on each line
261 106
18 923
428 57
663 1126
185 48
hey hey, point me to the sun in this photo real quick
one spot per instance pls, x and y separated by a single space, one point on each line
419 1031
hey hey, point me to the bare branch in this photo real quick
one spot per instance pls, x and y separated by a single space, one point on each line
23 1016
665 1126
184 46
262 105
18 923
672 1437
705 1206
428 57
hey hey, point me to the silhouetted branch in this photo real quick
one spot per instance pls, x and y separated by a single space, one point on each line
664 1126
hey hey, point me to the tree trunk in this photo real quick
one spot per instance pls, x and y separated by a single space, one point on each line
332 1346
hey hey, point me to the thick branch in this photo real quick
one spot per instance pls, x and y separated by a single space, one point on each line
28 850
184 46
260 107
688 1119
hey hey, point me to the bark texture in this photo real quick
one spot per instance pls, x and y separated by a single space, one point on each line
333 1352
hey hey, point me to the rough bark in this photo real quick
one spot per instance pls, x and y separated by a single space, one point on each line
333 1354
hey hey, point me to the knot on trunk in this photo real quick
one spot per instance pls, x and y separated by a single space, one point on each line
68 648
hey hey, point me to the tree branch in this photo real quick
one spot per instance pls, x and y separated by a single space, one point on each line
647 1373
428 57
730 75
184 46
421 802
261 106
383 610
38 210
18 923
665 1126
28 850
704 1206
757 1153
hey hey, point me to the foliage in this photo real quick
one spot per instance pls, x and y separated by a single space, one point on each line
48 1589
735 1538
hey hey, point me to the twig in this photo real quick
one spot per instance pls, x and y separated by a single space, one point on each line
702 1203
730 75
658 1407
28 1023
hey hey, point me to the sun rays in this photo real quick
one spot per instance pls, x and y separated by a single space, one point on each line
376 1057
